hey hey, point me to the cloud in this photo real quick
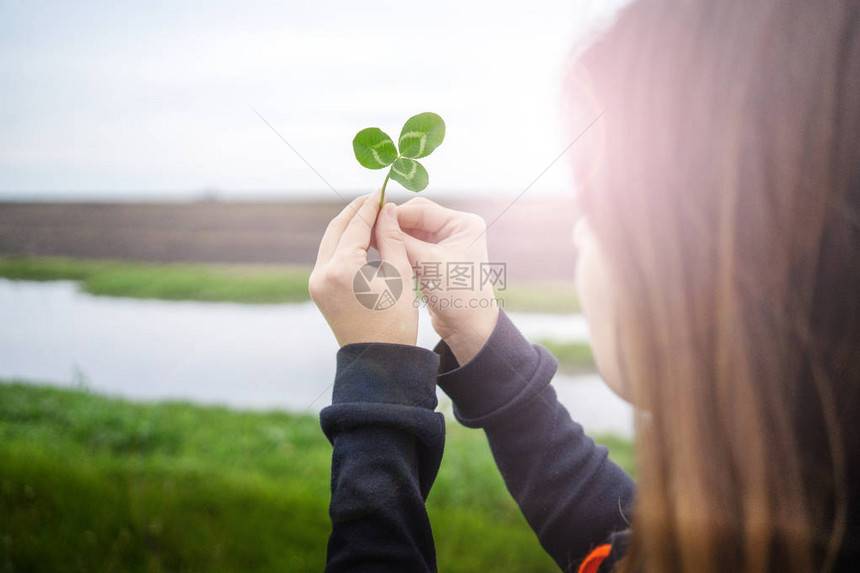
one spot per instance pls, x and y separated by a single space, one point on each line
119 98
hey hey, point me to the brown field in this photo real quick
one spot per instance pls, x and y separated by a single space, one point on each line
532 237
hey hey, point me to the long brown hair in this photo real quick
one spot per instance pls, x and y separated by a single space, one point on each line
726 197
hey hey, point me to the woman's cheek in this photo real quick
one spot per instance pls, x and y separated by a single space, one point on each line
596 296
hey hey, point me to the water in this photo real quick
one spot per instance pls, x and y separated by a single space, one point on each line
245 356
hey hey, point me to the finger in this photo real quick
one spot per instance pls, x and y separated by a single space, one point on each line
390 241
419 251
356 236
426 217
336 227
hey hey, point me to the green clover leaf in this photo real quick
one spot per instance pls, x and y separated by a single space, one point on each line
410 174
373 148
421 134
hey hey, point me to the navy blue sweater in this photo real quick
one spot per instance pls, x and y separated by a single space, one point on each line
388 443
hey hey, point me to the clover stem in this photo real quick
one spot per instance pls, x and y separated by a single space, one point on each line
384 183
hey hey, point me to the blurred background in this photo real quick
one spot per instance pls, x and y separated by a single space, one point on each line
167 170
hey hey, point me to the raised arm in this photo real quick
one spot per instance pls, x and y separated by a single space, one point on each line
572 495
386 437
388 445
569 491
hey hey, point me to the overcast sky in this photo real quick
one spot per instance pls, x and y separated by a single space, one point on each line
154 99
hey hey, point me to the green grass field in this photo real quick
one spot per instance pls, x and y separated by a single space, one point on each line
90 483
226 283
231 283
540 296
573 357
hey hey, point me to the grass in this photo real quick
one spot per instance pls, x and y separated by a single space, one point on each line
573 357
541 296
227 283
91 483
231 283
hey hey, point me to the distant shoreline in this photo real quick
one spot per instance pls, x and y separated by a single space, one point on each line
203 195
241 283
532 237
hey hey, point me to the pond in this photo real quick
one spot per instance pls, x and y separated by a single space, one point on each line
245 356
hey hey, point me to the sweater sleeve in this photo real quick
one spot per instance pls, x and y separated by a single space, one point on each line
387 446
572 495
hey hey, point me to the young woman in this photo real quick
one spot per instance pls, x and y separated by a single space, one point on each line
720 273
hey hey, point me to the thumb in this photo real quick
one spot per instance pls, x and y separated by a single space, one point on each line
390 242
416 249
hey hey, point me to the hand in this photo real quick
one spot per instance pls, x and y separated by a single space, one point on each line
465 319
342 252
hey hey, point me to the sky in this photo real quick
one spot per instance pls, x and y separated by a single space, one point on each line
159 100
